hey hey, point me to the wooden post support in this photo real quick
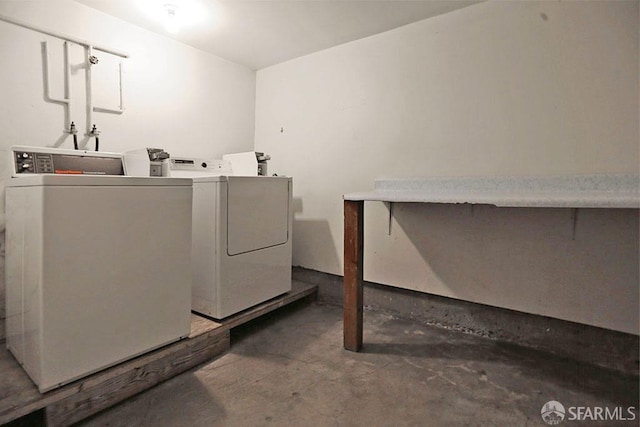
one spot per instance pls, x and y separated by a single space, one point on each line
353 273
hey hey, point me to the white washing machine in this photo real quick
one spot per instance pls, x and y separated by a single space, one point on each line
241 251
97 267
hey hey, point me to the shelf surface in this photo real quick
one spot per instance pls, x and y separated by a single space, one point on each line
573 191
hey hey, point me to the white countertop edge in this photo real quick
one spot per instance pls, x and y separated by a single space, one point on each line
551 200
568 191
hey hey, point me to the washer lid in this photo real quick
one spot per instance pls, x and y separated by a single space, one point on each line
257 213
95 181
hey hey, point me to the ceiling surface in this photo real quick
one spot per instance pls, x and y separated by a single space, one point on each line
260 33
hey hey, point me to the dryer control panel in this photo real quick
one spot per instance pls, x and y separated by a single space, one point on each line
42 160
185 167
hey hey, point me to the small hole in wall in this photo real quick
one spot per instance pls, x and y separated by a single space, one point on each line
281 130
544 17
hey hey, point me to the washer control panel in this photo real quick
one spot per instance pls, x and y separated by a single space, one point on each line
42 160
33 162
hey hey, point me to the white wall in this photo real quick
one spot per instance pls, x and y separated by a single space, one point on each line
499 88
176 97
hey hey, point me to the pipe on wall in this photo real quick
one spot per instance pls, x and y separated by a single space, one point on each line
120 109
66 101
89 47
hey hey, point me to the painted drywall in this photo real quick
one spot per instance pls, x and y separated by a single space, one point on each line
498 88
176 97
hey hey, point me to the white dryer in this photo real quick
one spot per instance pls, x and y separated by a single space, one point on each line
241 242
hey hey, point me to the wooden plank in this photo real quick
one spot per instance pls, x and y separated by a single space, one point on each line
102 391
299 290
19 396
82 398
353 274
103 394
201 325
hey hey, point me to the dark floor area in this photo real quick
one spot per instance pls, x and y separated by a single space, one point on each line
289 369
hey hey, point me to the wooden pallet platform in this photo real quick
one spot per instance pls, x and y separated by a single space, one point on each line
87 396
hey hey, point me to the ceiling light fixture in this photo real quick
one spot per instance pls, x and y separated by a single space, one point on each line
171 21
175 15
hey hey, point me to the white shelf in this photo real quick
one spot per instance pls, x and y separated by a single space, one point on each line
574 191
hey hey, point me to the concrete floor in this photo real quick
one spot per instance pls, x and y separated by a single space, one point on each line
289 369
